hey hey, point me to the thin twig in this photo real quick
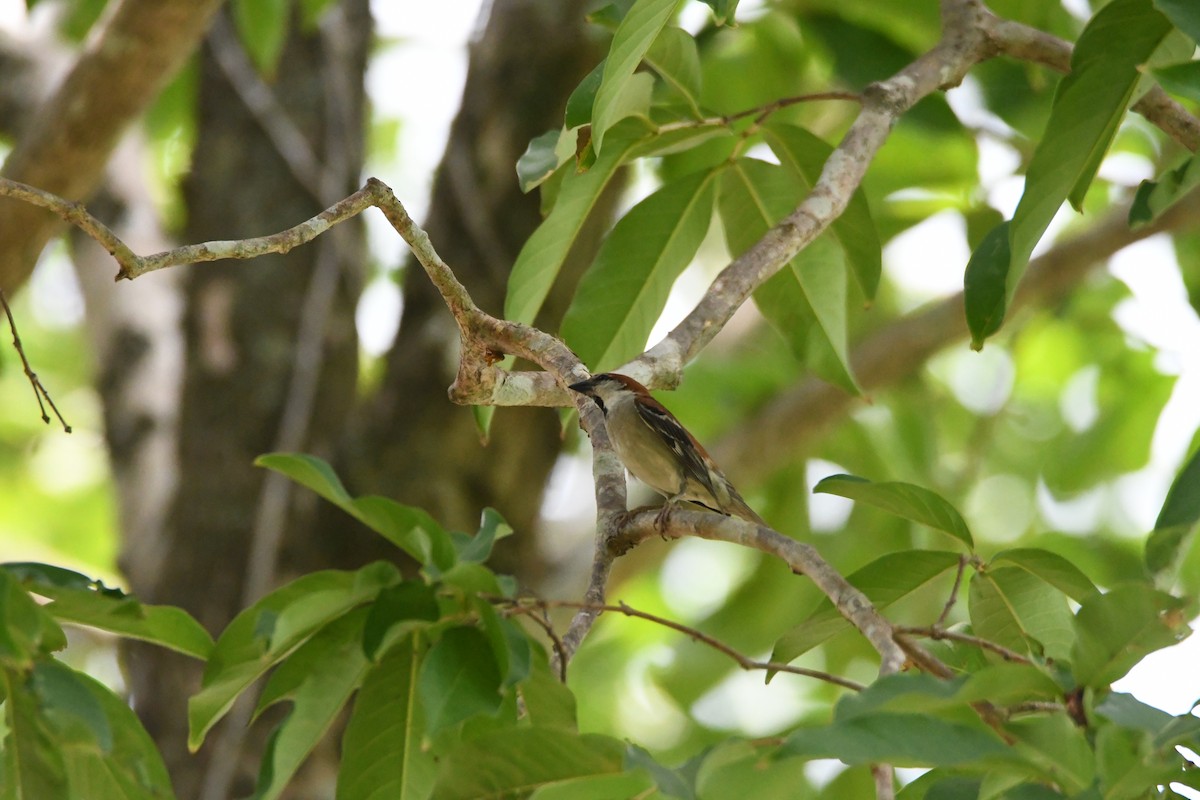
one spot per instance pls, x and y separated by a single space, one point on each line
760 113
542 620
937 633
39 390
953 598
745 662
802 558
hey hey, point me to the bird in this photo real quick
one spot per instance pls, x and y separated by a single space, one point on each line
656 448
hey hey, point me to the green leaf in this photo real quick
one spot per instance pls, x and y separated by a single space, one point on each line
1052 568
1088 107
1182 506
1153 198
1017 609
478 548
637 31
985 284
1127 711
37 576
623 293
540 159
596 787
459 679
805 154
411 529
510 645
166 626
900 692
674 56
263 634
542 257
1009 684
548 701
26 629
1057 748
905 740
884 581
579 104
70 736
33 765
132 768
1118 629
318 679
723 10
70 707
1181 79
1184 14
740 769
806 301
1125 768
517 760
905 500
382 757
397 612
262 26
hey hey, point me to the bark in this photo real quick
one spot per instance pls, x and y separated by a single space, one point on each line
244 332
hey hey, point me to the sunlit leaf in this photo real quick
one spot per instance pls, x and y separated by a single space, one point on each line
905 500
674 56
459 679
382 752
1057 747
1184 14
1050 567
637 31
723 10
1119 628
523 759
908 740
542 257
409 528
805 154
1088 107
806 301
623 293
985 292
263 634
884 581
1019 610
318 679
1155 197
1181 79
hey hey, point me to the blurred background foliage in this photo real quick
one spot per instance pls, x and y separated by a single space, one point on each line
1064 433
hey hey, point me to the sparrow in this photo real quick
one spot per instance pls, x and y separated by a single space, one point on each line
659 451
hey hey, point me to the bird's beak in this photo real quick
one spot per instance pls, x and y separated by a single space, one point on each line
583 387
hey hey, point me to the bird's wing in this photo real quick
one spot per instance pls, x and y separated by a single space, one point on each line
672 433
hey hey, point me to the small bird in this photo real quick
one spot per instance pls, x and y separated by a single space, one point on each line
659 451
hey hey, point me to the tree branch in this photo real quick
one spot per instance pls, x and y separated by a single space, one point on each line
970 34
65 148
39 391
802 558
